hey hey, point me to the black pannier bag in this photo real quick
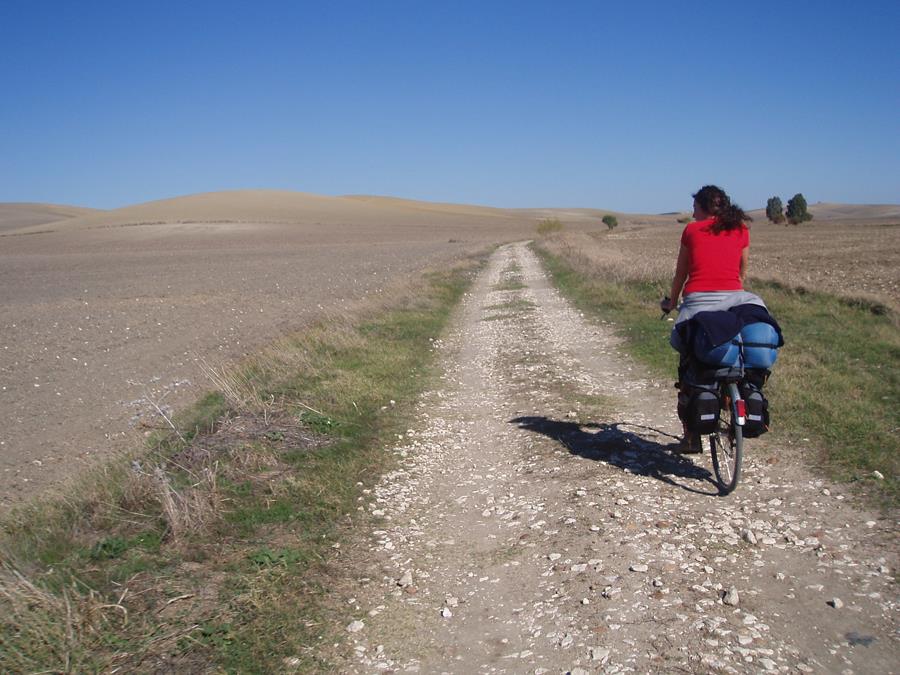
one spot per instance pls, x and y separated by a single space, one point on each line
698 407
756 422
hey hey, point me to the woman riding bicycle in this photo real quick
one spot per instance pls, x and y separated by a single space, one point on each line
711 267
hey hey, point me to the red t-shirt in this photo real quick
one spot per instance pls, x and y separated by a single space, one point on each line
715 259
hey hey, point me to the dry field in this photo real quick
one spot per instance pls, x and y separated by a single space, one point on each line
107 315
845 252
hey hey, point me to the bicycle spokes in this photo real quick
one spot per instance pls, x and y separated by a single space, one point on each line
727 442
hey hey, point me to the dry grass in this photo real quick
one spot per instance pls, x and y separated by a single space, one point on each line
191 508
235 386
61 627
205 546
602 256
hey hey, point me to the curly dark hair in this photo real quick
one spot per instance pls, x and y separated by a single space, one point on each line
715 202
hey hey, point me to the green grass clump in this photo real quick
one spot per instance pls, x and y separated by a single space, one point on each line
209 549
836 382
511 278
509 309
510 284
518 305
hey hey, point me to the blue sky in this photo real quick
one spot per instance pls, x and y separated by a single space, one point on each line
626 106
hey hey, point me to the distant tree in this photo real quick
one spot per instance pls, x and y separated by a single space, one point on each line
610 221
775 210
796 211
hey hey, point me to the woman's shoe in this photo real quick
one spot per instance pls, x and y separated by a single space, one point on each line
690 444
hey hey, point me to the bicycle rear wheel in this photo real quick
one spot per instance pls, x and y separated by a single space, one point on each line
727 445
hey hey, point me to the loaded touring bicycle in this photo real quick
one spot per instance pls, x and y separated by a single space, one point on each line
727 357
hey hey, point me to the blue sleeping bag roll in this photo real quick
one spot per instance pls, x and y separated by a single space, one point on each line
760 345
725 355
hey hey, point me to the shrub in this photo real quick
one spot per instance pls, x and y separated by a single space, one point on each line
549 226
610 221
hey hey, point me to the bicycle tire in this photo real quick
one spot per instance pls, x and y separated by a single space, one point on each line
727 446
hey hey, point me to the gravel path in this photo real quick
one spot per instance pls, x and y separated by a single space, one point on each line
538 522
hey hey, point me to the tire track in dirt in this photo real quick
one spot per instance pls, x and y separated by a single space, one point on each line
538 522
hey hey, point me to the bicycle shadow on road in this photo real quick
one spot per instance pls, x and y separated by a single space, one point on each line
623 449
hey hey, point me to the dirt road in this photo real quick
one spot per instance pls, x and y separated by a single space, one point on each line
539 523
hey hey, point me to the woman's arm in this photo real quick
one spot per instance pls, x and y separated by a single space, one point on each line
681 274
745 260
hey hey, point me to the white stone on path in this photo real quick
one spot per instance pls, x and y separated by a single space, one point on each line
731 597
355 626
599 654
638 568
